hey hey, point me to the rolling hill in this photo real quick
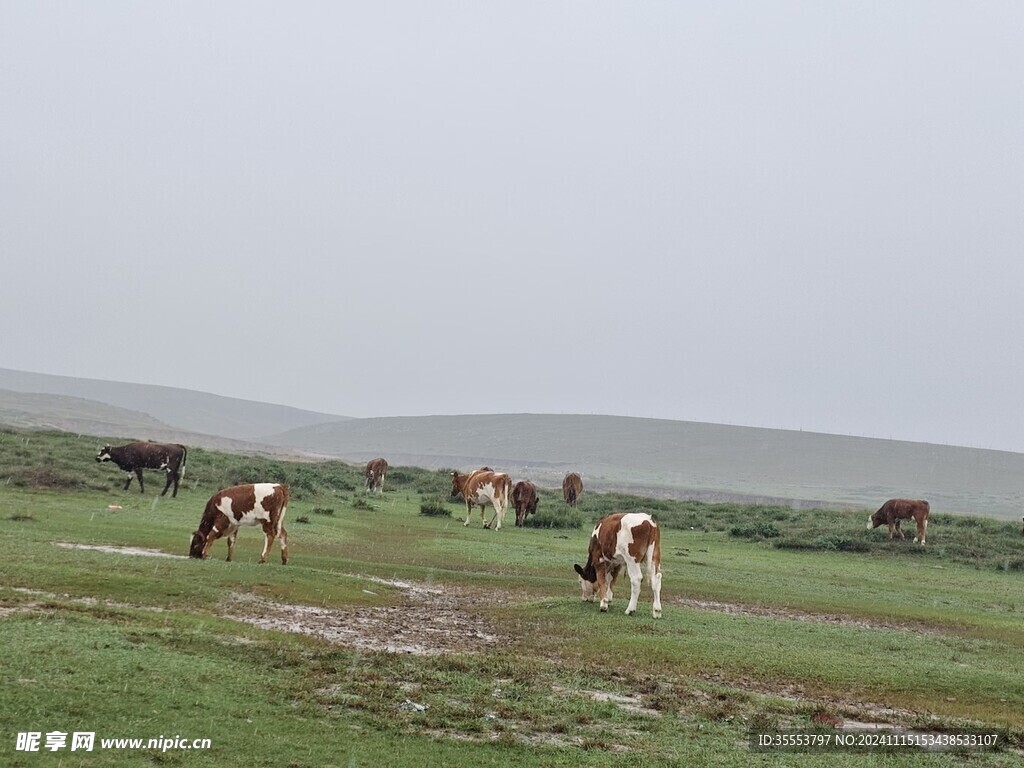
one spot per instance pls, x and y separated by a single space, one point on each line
710 462
183 409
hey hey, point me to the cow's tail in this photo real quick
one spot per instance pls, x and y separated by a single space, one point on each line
184 458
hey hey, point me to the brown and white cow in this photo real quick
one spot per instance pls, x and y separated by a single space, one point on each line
262 504
572 488
895 510
524 500
480 488
622 539
135 457
376 471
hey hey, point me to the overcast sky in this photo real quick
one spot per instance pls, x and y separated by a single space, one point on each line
801 215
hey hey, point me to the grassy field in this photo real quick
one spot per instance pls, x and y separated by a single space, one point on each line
399 638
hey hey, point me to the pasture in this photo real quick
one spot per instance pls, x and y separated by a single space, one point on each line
400 638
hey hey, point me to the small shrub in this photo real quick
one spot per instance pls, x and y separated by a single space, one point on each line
359 503
794 543
45 477
569 518
435 508
758 531
328 511
303 519
829 543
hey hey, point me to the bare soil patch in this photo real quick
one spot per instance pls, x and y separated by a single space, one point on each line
433 621
737 609
115 550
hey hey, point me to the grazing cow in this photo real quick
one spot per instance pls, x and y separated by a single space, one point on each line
524 499
250 504
895 510
376 471
624 538
136 457
480 488
572 488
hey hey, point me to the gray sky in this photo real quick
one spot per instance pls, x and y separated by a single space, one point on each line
801 215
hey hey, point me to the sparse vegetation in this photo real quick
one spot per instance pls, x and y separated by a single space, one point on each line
563 518
932 634
435 507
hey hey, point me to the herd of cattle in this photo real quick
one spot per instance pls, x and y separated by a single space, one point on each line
620 540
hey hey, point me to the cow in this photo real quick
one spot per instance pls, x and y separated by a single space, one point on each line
622 539
480 488
262 504
524 500
136 457
572 489
895 510
376 471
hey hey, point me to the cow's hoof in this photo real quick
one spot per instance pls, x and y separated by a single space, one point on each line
629 612
656 614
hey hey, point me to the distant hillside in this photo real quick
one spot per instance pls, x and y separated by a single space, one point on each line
671 458
107 422
707 461
180 408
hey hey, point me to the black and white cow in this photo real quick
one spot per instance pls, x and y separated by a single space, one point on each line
135 457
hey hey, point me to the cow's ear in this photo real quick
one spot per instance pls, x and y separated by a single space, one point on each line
578 570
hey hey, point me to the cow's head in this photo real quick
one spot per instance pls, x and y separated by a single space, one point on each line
197 546
456 485
104 454
876 520
588 581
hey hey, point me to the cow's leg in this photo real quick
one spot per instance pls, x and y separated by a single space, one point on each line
211 537
613 574
899 530
469 513
268 540
283 543
498 515
483 515
231 544
636 576
177 479
654 575
170 479
604 588
138 474
128 481
922 531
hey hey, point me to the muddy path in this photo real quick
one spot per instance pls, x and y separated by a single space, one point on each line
433 621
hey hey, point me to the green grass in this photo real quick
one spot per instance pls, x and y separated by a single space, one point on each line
126 645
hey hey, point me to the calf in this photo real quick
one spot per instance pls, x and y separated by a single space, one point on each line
252 504
376 471
524 499
136 457
480 488
895 510
624 538
572 489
